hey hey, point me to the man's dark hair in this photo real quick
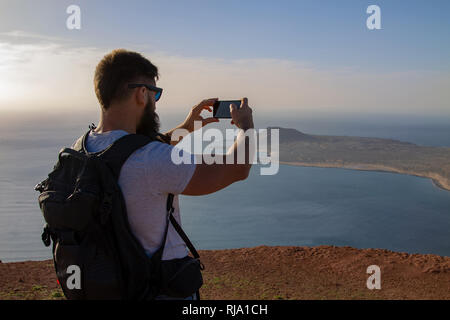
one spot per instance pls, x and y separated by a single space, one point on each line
116 70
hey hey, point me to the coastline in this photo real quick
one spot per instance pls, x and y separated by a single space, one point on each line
438 181
322 272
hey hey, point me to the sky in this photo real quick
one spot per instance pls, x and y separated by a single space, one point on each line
290 57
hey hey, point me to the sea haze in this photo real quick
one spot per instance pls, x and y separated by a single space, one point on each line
298 206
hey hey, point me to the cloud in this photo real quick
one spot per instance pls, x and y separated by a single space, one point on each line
55 76
24 35
46 76
292 86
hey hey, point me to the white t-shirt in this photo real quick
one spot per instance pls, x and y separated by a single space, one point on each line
146 179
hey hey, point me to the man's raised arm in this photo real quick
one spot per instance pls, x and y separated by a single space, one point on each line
209 178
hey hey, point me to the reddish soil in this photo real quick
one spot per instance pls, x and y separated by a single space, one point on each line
324 272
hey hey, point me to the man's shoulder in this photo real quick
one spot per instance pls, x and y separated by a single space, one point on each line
105 139
154 153
153 149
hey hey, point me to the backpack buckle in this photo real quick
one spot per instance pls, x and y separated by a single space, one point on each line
40 186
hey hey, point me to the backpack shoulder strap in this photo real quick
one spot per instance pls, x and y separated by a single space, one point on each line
117 153
177 227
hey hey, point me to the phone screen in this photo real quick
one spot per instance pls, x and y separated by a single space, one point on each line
221 109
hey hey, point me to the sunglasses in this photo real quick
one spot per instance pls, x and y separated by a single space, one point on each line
149 87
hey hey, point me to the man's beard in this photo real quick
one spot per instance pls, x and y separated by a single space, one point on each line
149 123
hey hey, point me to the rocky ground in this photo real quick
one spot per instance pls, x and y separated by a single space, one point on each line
324 272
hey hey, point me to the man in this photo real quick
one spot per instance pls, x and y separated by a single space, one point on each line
125 85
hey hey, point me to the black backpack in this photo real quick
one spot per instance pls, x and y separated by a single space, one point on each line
87 222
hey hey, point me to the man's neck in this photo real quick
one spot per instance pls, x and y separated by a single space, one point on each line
102 127
116 120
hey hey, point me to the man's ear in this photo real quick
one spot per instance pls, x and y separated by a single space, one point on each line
140 96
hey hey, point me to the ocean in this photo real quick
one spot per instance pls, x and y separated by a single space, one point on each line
302 206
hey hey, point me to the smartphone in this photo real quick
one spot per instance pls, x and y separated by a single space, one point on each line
221 109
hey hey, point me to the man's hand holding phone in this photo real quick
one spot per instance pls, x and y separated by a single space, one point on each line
242 117
194 115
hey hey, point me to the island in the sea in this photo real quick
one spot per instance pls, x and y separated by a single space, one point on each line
364 153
